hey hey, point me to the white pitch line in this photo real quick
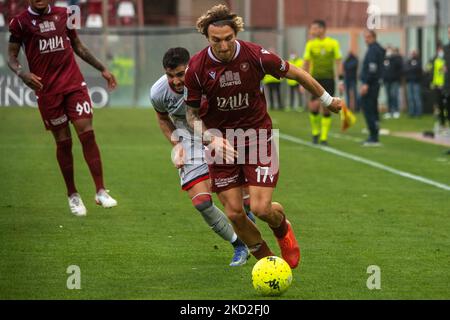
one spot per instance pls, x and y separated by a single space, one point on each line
368 162
344 137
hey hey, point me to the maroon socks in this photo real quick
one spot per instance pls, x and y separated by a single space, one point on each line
92 157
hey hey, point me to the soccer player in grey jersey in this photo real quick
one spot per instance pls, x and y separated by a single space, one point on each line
166 96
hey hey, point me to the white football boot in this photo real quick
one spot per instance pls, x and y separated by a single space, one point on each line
76 205
104 199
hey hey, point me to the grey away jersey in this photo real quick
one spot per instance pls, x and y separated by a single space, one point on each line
165 100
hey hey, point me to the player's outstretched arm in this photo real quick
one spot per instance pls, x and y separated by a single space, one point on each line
83 52
30 79
311 84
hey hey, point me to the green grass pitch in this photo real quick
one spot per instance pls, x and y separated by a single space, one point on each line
154 245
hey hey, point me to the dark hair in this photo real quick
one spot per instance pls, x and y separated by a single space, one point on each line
372 33
175 57
320 23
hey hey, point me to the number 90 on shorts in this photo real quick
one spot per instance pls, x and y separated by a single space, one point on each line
56 110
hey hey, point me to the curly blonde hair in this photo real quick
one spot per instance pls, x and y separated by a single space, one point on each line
219 15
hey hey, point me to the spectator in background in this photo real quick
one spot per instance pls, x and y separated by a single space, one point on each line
413 74
294 86
447 63
273 86
447 77
437 85
371 72
350 80
392 73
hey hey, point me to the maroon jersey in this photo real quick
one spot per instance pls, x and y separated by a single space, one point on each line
233 89
46 41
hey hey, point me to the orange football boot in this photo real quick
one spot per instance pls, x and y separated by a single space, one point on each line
290 249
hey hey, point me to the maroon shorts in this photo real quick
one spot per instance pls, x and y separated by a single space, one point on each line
260 171
56 110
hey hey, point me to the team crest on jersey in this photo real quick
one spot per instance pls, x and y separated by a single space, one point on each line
47 26
33 22
245 66
230 78
212 74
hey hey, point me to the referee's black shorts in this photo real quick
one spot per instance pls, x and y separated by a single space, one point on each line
328 84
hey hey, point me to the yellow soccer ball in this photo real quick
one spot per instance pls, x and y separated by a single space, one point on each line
271 276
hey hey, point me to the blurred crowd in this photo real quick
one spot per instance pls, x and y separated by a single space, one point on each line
419 82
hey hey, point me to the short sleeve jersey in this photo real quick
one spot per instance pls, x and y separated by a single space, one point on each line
322 54
46 40
233 90
165 100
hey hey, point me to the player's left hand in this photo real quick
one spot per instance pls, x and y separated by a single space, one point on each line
112 83
364 90
178 156
336 105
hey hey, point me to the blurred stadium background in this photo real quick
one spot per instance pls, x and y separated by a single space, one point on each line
132 35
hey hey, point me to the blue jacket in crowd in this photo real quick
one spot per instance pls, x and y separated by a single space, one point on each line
351 67
372 67
413 70
392 68
447 74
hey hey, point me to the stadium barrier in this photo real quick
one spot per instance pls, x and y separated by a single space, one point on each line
134 56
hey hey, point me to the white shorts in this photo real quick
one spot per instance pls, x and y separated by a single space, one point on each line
196 169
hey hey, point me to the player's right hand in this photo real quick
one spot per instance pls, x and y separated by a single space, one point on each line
336 105
32 80
223 149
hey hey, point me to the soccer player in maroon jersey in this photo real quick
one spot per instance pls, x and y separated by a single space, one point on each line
49 43
228 75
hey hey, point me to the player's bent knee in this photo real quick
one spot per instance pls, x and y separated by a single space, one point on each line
202 201
261 209
236 216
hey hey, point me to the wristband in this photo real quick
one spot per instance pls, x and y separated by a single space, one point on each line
326 99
